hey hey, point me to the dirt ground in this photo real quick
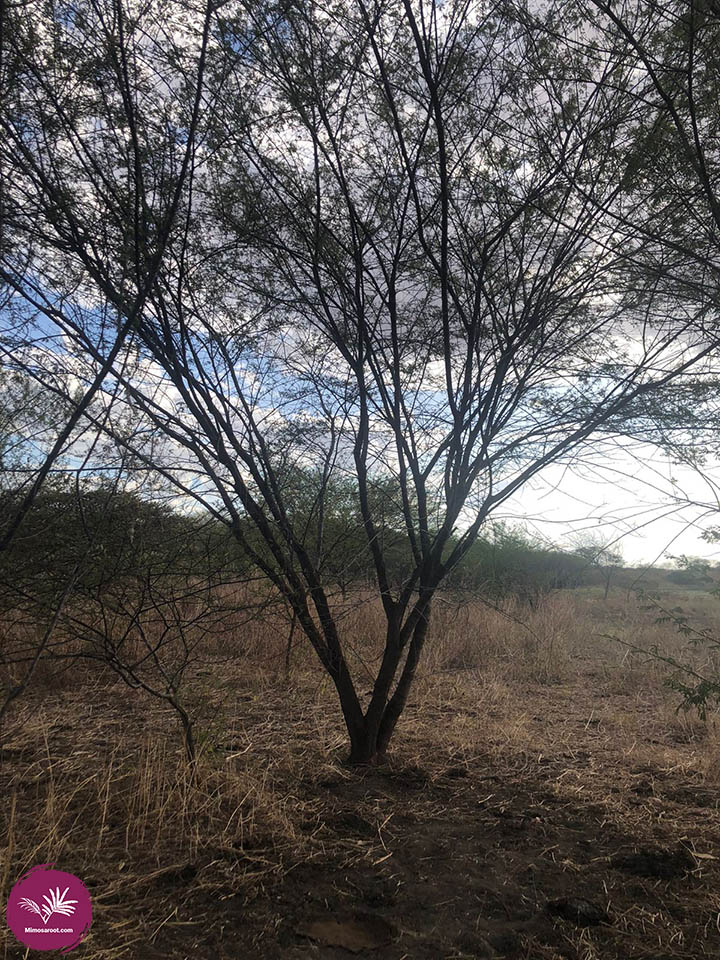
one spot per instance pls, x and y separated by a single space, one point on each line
578 818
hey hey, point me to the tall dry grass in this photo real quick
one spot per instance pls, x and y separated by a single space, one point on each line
549 642
520 641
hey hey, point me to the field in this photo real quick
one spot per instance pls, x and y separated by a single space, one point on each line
536 764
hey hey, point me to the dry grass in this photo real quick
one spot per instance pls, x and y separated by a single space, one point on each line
532 752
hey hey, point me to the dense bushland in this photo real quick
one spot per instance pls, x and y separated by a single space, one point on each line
99 536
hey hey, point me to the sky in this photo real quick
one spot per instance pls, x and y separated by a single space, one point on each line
651 508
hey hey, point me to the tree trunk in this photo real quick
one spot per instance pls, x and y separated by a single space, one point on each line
289 645
364 745
369 741
397 702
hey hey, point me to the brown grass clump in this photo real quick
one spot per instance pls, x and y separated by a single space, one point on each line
525 642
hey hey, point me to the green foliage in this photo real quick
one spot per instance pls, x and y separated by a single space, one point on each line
112 535
601 554
28 418
692 572
510 562
698 695
325 516
699 688
100 535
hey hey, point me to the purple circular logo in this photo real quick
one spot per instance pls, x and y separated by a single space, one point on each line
49 909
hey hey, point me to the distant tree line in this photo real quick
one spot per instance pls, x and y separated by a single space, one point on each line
116 533
122 534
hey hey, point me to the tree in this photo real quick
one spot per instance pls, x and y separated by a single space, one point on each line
28 423
668 207
396 268
99 574
602 554
89 132
671 167
506 561
668 204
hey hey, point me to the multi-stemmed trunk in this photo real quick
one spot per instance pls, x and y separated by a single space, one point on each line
371 732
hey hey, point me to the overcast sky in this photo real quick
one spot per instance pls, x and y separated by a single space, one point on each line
654 507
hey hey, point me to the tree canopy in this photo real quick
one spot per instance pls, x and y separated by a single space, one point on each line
417 251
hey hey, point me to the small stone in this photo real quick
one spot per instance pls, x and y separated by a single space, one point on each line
455 773
581 912
357 933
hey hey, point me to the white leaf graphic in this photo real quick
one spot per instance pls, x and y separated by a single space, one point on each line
55 902
27 904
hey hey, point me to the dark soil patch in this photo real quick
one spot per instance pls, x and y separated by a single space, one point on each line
655 863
